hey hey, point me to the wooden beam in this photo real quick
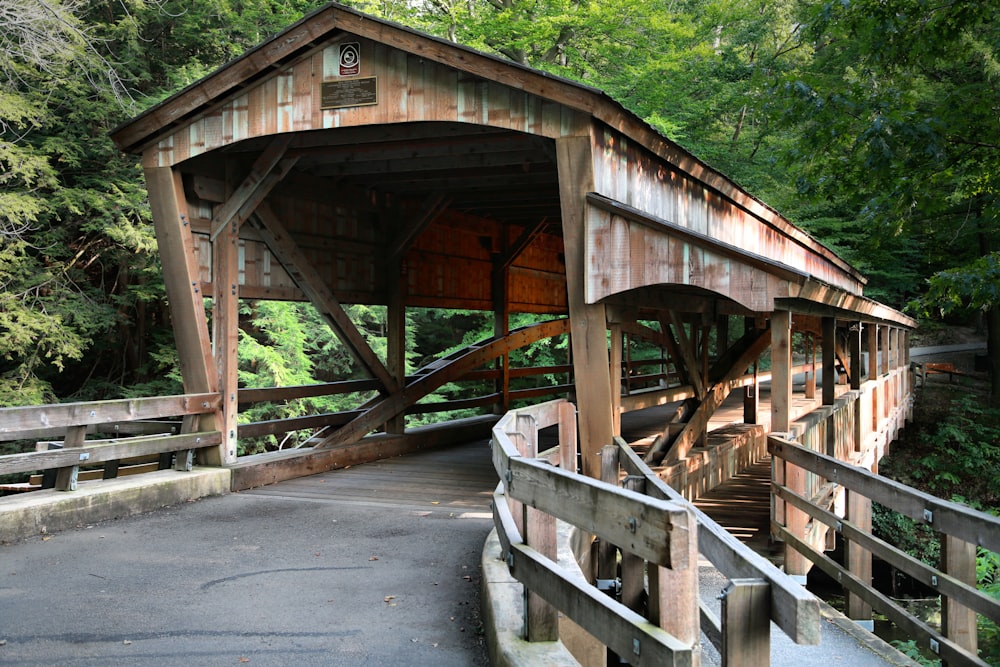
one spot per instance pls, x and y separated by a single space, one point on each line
433 206
523 241
829 342
377 412
685 347
183 285
255 186
854 345
589 326
281 245
683 443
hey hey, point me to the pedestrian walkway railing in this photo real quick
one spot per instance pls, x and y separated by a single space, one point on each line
962 529
131 429
639 596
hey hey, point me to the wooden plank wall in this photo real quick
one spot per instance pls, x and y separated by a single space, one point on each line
448 266
626 255
410 89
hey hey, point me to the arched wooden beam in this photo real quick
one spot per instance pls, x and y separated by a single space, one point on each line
435 375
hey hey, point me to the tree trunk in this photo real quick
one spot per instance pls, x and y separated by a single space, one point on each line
993 353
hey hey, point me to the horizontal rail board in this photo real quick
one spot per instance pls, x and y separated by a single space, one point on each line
274 426
653 529
110 451
271 394
931 577
54 419
794 609
952 518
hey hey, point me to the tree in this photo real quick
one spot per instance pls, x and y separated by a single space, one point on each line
896 116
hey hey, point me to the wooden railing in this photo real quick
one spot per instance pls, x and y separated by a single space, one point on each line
835 495
650 613
73 421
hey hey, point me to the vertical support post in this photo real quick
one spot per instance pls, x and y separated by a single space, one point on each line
607 553
854 335
872 338
633 567
958 622
746 623
588 325
395 356
66 477
751 404
829 326
183 286
673 594
501 327
567 436
886 352
781 400
810 385
781 370
226 330
859 560
541 621
615 371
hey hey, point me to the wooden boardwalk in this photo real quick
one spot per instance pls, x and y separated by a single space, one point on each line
459 479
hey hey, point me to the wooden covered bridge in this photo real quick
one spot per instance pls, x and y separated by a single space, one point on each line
350 160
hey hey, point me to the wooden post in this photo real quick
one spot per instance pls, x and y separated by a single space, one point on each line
854 336
781 370
872 337
183 286
395 316
673 594
607 553
810 385
66 477
886 352
588 327
781 401
501 328
615 371
567 436
859 560
541 621
746 623
633 567
958 622
829 359
226 329
751 394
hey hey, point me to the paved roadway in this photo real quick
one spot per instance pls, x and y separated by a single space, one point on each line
375 565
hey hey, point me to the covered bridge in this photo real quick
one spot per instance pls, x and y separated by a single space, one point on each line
352 160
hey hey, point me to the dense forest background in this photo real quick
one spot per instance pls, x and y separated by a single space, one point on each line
873 124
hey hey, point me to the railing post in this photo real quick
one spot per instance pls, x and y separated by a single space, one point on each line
958 622
829 326
607 553
66 477
673 594
746 623
567 436
541 622
859 560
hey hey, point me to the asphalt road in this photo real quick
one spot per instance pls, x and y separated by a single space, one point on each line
251 579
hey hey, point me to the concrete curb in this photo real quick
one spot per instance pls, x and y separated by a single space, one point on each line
30 514
503 618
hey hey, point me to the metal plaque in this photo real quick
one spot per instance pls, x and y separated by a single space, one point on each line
349 93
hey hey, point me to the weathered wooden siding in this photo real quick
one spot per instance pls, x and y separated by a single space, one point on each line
624 254
450 265
410 89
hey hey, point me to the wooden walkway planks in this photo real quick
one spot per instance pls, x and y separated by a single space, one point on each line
460 477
